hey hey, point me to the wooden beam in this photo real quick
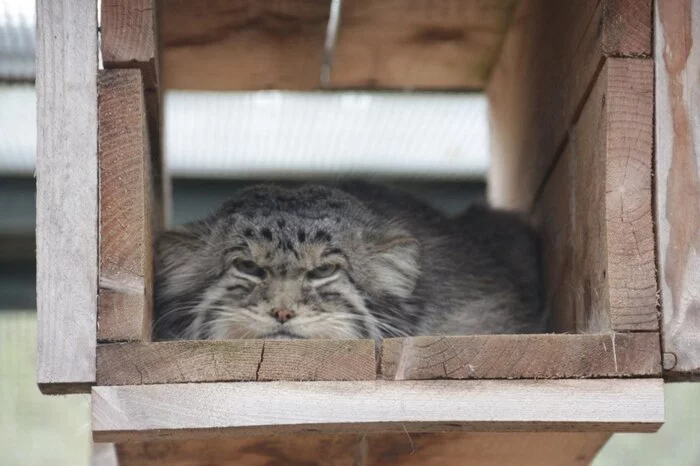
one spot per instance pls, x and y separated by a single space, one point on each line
130 40
126 250
235 360
550 57
429 45
604 272
180 411
628 106
234 45
677 181
429 449
521 356
67 196
130 37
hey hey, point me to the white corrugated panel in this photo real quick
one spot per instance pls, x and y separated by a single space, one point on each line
282 134
17 129
17 22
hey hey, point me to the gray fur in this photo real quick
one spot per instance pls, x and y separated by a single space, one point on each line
402 268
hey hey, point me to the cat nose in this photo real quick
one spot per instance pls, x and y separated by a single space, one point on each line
282 314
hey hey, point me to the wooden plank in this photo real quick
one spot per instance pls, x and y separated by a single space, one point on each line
485 448
233 44
179 411
337 450
126 252
521 356
400 449
427 45
604 273
629 139
66 175
130 40
549 59
235 360
677 181
129 37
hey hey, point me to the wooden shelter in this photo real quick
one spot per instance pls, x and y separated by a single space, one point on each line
593 111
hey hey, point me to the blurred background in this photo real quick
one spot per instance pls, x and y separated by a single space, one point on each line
433 144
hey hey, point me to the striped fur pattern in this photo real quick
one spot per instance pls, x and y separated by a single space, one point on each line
351 261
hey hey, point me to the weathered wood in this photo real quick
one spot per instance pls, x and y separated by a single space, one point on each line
628 106
550 56
179 411
130 40
398 449
129 37
223 45
677 182
595 211
428 45
338 450
235 360
485 448
521 356
67 195
122 317
234 45
126 251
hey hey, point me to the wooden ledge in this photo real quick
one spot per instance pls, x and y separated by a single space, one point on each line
182 411
418 358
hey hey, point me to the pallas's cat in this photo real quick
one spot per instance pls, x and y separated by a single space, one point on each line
352 261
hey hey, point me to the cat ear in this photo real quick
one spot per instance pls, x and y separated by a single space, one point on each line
394 262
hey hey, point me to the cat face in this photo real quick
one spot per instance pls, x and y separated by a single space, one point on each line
277 263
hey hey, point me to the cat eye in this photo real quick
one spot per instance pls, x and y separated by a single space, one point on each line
249 267
322 271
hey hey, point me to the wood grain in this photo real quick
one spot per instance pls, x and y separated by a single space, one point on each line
180 411
485 448
239 45
521 356
423 45
129 37
235 360
234 45
550 57
130 40
397 449
67 196
297 450
595 211
677 182
629 139
126 250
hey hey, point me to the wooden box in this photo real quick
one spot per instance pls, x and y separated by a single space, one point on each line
583 137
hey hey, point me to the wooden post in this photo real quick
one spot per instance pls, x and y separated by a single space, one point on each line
547 67
677 182
595 209
66 232
130 41
126 245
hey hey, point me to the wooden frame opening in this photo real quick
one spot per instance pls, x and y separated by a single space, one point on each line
571 90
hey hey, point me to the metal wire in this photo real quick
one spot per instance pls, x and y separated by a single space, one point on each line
329 45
